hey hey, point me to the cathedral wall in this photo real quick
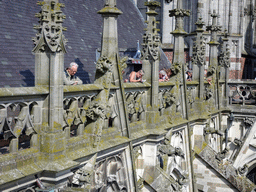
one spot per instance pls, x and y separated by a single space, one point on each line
208 180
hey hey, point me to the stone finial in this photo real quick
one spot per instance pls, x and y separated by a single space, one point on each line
50 31
200 24
110 8
214 27
224 58
225 35
151 38
152 5
179 14
110 3
199 44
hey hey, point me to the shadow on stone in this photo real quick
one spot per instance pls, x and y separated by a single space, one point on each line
29 78
82 74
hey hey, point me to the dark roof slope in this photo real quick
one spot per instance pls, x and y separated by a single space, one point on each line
84 29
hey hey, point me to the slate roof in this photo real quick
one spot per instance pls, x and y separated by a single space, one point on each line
84 29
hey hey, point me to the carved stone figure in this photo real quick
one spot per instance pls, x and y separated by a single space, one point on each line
103 65
97 113
238 142
110 175
249 121
83 176
210 135
134 105
166 149
243 170
176 68
208 93
222 155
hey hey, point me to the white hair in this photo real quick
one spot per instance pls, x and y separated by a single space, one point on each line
73 64
162 72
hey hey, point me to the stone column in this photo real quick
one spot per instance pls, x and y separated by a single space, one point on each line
49 66
224 62
230 17
213 60
49 60
198 59
178 55
150 60
178 33
107 71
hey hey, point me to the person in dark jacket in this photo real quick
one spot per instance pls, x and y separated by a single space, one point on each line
69 75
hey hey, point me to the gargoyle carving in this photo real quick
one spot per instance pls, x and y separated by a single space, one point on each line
238 142
182 176
222 155
249 121
166 149
211 71
211 130
95 111
243 170
176 68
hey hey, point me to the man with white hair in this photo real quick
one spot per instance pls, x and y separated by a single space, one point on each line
69 75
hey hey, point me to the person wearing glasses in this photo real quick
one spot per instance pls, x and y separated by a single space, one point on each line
69 75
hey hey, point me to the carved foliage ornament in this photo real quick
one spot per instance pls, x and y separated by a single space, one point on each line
179 13
134 102
83 177
50 30
152 4
200 23
176 68
213 28
224 59
199 51
95 111
123 64
103 65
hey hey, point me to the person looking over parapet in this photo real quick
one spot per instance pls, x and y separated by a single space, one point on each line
69 75
189 75
168 72
136 76
163 76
